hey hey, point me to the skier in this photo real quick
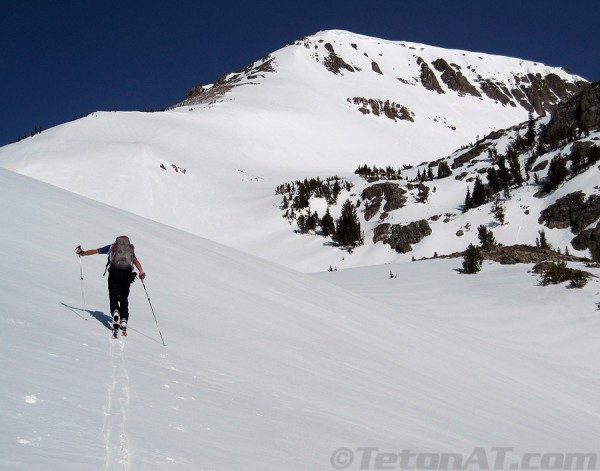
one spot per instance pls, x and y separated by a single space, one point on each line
121 258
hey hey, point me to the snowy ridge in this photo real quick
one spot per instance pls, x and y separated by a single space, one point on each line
266 368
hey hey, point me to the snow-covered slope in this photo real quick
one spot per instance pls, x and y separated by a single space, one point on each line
210 166
266 368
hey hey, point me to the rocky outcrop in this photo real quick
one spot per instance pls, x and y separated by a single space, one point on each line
391 110
454 79
471 154
580 112
543 94
511 254
587 239
428 78
402 237
375 194
227 81
494 92
572 211
375 67
335 63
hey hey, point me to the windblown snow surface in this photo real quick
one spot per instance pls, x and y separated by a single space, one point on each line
266 368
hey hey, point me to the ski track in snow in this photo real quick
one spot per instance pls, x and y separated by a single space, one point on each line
116 411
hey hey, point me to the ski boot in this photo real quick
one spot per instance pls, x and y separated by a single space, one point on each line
124 328
115 318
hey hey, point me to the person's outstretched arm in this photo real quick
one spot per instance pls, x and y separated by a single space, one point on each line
83 253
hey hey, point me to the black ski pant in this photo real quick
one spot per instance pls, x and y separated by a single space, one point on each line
118 292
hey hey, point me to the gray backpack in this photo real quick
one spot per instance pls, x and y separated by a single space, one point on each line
122 254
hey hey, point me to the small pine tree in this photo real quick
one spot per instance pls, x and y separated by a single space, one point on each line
327 224
515 169
443 170
472 260
504 174
301 221
468 201
579 279
312 221
479 196
498 211
530 134
493 181
557 173
486 238
542 242
348 232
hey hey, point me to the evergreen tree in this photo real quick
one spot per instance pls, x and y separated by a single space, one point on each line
593 155
301 200
504 175
301 221
498 211
468 201
486 238
542 243
335 191
348 232
577 161
312 221
443 170
530 135
557 173
493 155
479 196
515 168
327 224
472 259
493 181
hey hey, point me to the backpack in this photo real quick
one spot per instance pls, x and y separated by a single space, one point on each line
121 256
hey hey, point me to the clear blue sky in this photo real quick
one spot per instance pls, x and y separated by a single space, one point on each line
63 58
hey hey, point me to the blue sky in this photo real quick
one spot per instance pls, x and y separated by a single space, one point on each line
64 58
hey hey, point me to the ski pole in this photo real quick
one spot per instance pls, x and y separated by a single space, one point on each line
152 309
78 248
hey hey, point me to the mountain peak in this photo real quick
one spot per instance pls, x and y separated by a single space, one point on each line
403 68
323 105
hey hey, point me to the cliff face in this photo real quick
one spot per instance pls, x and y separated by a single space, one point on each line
582 112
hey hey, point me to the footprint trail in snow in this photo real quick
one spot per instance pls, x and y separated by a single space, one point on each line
116 411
